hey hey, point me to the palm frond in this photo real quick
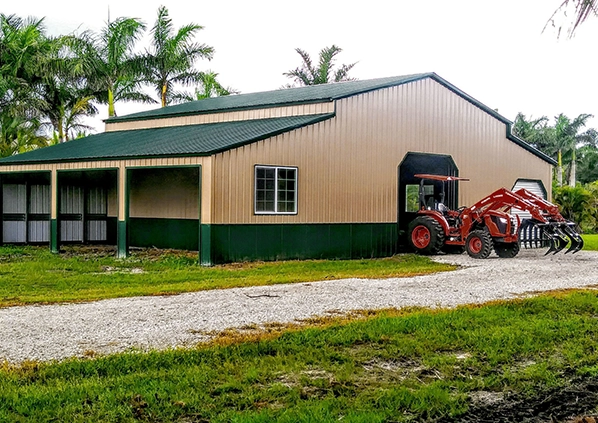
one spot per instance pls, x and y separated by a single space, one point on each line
582 10
307 74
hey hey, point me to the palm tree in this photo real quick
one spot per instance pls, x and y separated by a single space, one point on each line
567 139
172 56
19 134
535 131
210 87
66 105
113 71
65 92
308 74
587 158
583 9
23 54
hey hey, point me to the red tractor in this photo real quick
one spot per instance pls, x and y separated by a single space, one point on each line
486 225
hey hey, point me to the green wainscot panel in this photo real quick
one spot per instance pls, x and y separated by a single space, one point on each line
230 243
164 233
205 251
54 236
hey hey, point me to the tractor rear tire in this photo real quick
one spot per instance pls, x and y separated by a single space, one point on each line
426 236
506 250
479 244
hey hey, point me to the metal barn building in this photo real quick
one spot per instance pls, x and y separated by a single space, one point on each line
309 172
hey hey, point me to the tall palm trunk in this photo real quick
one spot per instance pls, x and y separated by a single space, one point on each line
56 122
559 169
573 168
111 103
164 89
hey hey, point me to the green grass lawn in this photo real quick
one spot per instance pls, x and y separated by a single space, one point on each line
590 242
34 275
389 366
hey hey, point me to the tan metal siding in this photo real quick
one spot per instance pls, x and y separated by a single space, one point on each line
297 110
348 165
164 193
112 198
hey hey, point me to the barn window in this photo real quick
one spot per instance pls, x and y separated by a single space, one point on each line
275 190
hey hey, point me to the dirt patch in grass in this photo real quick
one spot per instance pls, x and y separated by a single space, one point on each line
575 403
88 252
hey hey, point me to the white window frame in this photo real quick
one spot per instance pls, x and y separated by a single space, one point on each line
276 169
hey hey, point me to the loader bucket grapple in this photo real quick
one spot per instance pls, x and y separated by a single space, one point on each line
559 235
488 224
558 231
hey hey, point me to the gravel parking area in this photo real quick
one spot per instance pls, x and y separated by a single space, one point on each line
55 332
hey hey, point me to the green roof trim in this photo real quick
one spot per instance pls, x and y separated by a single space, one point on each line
173 141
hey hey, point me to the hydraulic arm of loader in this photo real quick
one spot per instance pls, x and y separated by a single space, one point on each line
559 231
545 215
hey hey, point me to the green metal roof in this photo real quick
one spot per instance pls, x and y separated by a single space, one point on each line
287 96
190 140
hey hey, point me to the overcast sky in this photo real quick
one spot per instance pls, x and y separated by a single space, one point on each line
495 51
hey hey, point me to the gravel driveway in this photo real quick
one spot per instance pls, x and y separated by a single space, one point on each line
65 330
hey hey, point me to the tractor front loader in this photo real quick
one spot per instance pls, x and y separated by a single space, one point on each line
488 224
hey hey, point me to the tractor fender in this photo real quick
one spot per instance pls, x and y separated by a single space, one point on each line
437 216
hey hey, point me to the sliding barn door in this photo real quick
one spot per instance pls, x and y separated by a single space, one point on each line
71 214
14 213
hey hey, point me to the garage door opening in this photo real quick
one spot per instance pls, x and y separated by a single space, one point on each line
415 163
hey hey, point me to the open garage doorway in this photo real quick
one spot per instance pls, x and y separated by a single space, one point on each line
164 204
416 163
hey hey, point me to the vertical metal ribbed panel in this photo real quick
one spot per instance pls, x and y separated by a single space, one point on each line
97 204
348 165
39 199
14 231
96 200
71 199
71 230
532 186
14 198
97 230
39 230
71 203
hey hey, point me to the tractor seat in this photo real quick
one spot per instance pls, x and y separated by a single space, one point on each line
430 202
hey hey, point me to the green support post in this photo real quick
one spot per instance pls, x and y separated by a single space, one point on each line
122 247
122 236
54 236
205 236
205 245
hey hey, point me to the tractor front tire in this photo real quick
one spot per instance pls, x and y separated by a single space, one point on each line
506 250
479 244
425 235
